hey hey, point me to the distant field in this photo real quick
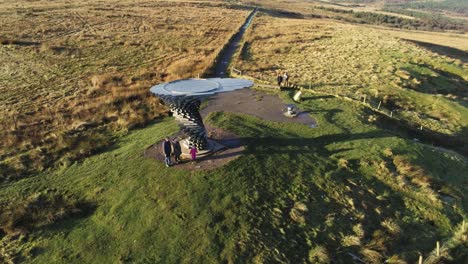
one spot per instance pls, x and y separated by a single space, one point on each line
73 73
457 41
417 84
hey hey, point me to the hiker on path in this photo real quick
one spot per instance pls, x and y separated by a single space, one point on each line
167 150
279 78
286 79
193 152
177 150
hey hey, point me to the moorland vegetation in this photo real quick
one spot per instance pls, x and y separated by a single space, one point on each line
76 118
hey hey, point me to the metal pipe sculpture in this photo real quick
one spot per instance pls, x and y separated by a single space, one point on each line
184 99
186 110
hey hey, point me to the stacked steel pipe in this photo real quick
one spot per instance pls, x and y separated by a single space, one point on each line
186 110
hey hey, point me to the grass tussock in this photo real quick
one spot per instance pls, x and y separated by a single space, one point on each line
319 254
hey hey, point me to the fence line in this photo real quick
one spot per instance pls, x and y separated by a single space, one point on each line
364 101
376 105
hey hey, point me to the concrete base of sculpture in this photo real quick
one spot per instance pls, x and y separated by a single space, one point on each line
212 147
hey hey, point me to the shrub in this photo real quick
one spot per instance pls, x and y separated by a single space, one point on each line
371 256
319 254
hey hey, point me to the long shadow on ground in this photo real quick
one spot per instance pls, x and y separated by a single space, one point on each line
443 50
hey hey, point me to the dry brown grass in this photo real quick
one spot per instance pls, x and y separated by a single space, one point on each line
353 61
458 41
77 71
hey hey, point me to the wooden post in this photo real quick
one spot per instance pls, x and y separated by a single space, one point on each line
310 84
420 128
378 107
420 259
198 76
365 97
391 113
438 248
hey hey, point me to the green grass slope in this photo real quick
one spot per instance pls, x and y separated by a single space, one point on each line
347 189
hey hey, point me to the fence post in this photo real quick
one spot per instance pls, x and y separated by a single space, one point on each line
365 97
378 107
391 113
438 248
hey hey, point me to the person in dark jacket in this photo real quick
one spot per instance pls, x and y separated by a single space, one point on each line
167 150
177 150
279 79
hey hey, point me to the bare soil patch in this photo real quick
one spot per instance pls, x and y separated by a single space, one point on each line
234 148
255 103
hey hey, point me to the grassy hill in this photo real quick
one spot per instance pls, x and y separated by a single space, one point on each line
415 83
76 118
76 74
347 188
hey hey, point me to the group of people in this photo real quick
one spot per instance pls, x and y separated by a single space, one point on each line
283 79
173 148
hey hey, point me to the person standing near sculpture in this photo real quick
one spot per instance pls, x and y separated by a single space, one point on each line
177 150
286 79
167 150
193 152
279 79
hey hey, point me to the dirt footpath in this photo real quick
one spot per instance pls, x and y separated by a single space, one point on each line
245 101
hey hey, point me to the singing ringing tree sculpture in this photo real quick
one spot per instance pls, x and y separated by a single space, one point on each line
186 110
184 99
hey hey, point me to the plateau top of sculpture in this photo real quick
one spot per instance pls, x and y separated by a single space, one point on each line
183 97
200 87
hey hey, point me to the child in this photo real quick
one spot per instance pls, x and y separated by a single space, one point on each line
193 152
